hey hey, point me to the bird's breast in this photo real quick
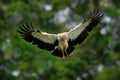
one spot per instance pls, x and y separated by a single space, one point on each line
62 45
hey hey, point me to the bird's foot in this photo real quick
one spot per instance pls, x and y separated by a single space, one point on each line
63 56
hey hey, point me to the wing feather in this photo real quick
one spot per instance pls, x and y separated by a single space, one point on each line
75 32
81 31
47 38
95 17
42 39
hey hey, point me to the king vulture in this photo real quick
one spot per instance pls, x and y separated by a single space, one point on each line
61 44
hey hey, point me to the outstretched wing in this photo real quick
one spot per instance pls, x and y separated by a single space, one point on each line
42 39
81 31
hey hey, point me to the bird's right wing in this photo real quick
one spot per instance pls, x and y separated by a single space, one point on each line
42 39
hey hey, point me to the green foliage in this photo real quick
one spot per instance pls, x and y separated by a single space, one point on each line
112 72
22 60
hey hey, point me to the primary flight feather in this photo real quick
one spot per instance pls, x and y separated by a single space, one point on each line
61 44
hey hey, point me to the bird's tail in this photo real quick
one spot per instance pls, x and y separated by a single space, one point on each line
57 53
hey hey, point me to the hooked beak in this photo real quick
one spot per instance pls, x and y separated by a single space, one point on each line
64 39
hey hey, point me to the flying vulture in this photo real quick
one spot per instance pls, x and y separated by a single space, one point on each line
61 44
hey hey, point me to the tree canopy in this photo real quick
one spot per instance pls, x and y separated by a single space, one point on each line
97 58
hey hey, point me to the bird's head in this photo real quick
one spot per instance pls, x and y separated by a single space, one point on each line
63 37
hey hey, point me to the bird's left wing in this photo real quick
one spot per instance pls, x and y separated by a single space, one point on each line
81 31
87 24
42 39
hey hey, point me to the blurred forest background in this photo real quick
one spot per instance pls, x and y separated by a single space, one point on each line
97 58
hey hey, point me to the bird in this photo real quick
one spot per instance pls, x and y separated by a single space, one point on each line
61 44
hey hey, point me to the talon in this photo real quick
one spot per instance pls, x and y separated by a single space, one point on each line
63 57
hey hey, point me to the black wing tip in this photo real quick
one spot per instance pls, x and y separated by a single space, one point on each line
25 29
96 15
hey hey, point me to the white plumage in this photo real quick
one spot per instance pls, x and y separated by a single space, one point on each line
43 36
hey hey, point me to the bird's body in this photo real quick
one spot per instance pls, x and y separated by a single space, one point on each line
62 41
61 44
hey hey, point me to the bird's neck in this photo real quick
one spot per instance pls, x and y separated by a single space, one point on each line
63 37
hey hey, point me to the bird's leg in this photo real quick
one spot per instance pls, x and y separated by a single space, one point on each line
66 52
63 54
